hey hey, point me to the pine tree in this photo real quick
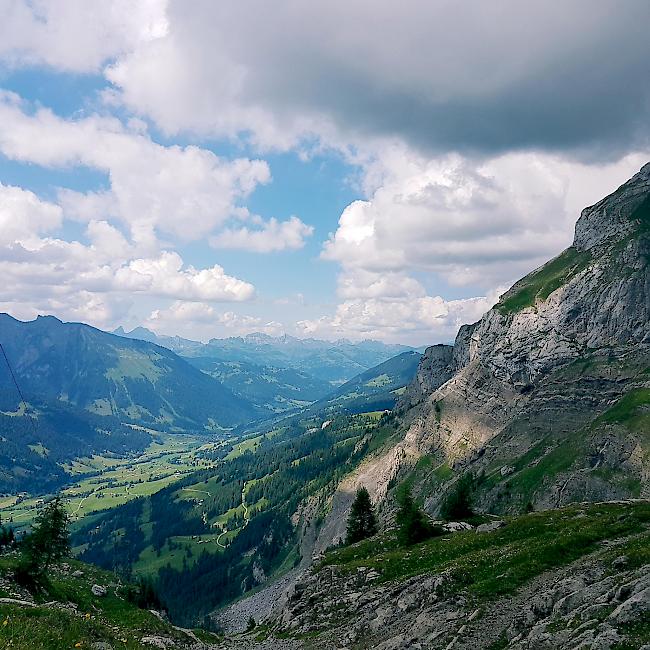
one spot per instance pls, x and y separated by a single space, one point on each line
413 524
362 522
48 542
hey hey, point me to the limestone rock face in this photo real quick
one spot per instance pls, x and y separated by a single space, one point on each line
554 353
436 368
609 218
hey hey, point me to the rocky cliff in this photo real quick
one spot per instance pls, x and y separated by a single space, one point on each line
545 402
547 398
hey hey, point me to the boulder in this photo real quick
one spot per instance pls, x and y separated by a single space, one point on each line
490 526
98 590
457 526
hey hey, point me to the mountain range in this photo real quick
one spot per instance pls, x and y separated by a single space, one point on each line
90 392
278 374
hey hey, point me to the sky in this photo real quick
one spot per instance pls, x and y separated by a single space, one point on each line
358 169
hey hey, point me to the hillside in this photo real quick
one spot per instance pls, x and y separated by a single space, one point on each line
70 615
86 390
219 533
107 375
329 361
274 389
541 404
375 389
571 578
332 361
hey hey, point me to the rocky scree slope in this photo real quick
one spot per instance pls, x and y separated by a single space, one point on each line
574 578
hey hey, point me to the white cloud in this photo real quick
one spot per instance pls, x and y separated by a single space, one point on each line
23 215
77 35
520 78
480 222
274 235
165 276
204 321
424 319
395 97
186 192
97 282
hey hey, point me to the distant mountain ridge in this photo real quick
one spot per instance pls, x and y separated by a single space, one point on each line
276 373
334 361
84 385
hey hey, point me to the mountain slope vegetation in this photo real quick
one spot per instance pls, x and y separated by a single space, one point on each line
218 533
375 389
89 392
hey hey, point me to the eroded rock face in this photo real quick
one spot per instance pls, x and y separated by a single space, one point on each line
610 217
581 606
436 368
591 302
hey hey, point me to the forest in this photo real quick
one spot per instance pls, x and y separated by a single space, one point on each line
299 461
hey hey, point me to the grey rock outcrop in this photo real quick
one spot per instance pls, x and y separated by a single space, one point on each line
580 606
515 378
435 368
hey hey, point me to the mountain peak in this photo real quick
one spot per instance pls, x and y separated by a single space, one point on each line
615 216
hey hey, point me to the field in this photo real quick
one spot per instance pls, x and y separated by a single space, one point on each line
104 482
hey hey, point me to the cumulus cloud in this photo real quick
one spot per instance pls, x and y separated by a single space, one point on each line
182 191
522 75
466 145
205 321
273 235
483 222
23 215
76 35
421 319
95 281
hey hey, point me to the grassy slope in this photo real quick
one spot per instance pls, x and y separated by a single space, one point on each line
495 564
74 618
540 284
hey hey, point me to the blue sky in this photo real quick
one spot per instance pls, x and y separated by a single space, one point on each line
329 170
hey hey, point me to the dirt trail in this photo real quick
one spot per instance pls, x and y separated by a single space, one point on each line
246 517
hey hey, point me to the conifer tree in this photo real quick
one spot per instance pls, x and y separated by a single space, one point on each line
362 522
458 503
413 524
48 542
